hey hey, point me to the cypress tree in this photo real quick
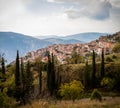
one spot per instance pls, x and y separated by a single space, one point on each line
2 76
74 56
58 79
94 70
86 75
29 80
48 71
102 64
39 67
22 75
17 79
3 66
23 80
40 80
51 74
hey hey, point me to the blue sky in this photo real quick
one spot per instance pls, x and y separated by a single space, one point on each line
59 17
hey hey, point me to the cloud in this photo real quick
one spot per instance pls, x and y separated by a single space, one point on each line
67 1
99 10
115 3
94 9
59 16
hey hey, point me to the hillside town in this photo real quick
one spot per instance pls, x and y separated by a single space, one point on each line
63 51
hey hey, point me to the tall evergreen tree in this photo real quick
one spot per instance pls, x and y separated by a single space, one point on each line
58 78
86 75
29 80
40 76
22 75
51 74
23 81
39 67
3 65
102 64
94 70
2 75
48 71
74 56
40 79
17 79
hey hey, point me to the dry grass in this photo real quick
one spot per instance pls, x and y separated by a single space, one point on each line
108 102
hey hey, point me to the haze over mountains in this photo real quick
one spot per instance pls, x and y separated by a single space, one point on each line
10 42
83 37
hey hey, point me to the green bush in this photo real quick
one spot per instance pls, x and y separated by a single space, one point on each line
114 56
108 83
108 59
116 48
96 95
71 90
5 101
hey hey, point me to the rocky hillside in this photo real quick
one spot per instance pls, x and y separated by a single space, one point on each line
62 51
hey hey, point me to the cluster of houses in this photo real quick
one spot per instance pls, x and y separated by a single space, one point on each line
62 51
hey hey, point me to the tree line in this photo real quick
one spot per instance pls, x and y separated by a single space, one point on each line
24 78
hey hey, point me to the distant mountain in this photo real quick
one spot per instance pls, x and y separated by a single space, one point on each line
11 42
47 37
62 41
85 37
82 37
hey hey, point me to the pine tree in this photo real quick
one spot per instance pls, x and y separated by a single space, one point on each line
17 79
102 64
94 70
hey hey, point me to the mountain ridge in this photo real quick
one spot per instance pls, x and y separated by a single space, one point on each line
10 42
78 36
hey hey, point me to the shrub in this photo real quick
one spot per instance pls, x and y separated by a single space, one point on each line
114 56
96 95
108 59
71 90
116 48
108 83
5 101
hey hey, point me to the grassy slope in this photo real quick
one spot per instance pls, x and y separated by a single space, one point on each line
108 102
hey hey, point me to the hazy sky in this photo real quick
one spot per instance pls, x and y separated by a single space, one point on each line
59 17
